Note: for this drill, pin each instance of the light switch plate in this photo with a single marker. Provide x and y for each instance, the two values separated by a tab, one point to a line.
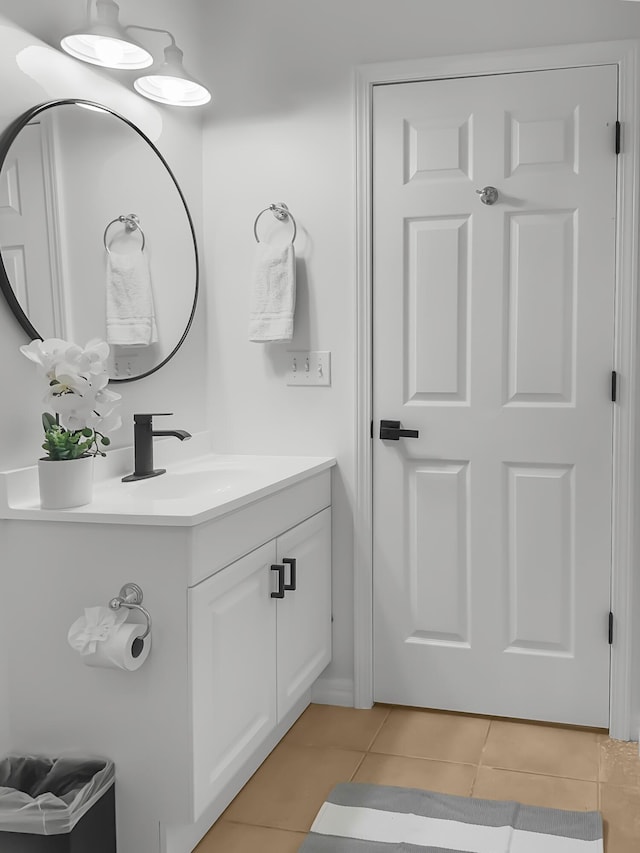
126	364
309	368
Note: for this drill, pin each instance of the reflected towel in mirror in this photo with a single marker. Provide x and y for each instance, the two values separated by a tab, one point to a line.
130	312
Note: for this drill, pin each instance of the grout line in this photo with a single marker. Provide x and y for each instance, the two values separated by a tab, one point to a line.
379	729
599	748
539	773
468	763
421	758
486	740
324	746
484	746
359	765
473	781
260	826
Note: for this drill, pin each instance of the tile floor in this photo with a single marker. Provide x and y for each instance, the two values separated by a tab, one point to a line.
452	753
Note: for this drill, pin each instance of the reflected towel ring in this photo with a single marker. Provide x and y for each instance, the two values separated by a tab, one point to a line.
281	212
131	223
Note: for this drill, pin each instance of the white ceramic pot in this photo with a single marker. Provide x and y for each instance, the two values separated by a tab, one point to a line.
65	483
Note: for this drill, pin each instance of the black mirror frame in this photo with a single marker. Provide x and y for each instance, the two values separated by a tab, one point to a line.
6	140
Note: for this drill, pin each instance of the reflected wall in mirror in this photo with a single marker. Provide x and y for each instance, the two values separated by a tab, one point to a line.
68	169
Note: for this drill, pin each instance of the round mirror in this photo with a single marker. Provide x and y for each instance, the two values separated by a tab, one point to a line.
96	239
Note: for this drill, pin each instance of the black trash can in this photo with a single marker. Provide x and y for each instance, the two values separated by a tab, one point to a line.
57	805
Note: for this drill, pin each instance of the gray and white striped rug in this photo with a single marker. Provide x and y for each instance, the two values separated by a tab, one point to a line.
358	818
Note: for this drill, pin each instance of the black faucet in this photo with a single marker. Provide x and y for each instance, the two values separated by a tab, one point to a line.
143	434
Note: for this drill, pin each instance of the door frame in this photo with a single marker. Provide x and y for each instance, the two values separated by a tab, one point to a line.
626	483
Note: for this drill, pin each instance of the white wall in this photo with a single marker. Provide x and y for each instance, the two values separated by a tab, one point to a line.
32	73
283	130
280	129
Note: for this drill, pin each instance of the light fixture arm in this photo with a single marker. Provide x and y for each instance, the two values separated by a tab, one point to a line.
152	30
106	12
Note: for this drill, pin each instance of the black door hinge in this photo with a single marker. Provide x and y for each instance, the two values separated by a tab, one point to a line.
371	430
610	628
618	136
614	386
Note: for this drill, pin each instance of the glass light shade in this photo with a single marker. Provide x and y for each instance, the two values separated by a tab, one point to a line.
106	51
105	42
170	83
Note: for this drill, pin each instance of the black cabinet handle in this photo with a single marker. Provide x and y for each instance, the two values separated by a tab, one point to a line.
293	577
279	593
391	430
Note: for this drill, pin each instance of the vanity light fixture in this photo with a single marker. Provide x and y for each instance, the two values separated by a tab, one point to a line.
170	83
105	41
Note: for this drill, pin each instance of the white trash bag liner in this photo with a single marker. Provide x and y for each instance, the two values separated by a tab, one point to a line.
48	796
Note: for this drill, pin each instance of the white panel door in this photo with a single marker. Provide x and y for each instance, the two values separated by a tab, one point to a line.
493	337
304	614
232	620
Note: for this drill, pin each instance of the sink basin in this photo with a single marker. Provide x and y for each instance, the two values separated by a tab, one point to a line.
177	485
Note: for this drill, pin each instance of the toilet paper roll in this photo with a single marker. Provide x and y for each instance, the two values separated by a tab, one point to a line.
122	650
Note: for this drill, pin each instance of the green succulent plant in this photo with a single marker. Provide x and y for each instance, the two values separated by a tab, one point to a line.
61	443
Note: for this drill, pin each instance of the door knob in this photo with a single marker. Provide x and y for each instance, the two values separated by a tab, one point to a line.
391	430
488	195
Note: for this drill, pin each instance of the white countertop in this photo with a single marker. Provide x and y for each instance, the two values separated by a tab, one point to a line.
196	488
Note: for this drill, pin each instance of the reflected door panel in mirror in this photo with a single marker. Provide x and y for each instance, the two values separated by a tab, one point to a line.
67	172
27	229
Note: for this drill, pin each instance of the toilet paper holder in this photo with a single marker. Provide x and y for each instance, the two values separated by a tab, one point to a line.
131	596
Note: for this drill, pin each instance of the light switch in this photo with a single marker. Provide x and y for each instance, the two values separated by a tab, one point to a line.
126	364
309	368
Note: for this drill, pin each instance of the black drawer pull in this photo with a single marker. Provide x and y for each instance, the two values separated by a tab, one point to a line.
292	576
279	593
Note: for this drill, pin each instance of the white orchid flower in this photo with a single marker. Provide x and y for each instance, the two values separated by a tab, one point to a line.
70	382
99	381
74	422
74	411
77	383
104	422
46	354
105	395
78	361
97	352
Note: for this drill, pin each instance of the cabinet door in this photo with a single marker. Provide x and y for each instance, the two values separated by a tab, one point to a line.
233	669
304	615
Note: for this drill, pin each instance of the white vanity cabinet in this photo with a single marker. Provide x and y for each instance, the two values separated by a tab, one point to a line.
230	667
254	655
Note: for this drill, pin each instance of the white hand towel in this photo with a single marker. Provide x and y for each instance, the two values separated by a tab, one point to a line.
130	312
274	293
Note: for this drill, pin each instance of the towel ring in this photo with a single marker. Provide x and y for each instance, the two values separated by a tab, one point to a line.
281	212
131	223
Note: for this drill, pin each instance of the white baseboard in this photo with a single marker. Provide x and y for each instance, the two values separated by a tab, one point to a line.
333	691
